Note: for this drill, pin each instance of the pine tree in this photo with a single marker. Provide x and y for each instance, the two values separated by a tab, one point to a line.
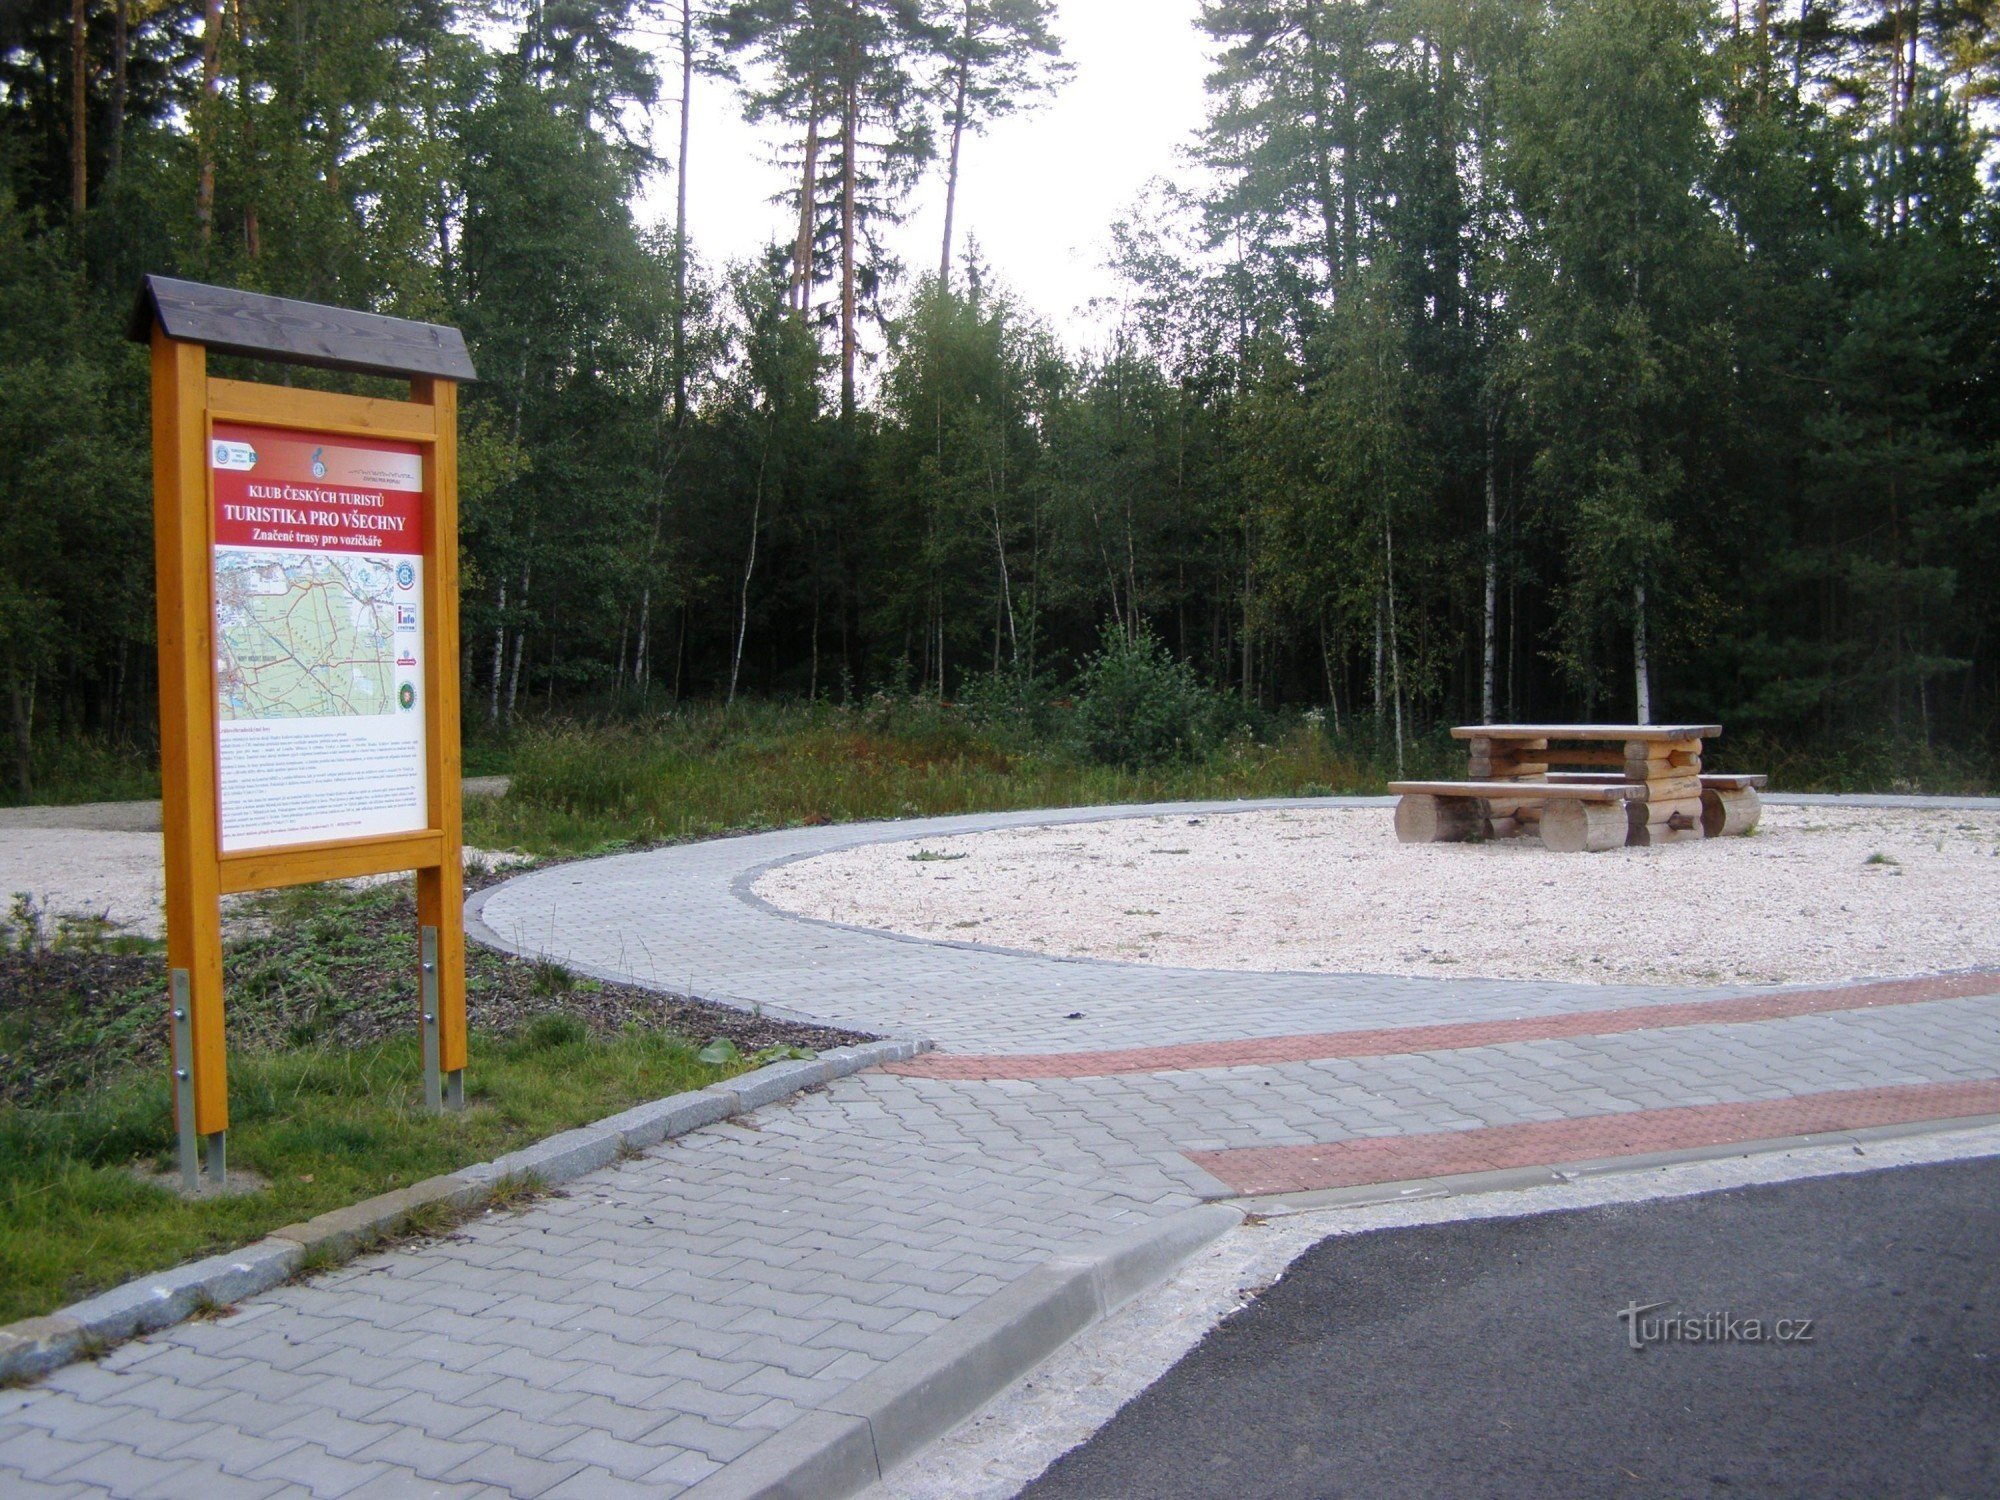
1000	55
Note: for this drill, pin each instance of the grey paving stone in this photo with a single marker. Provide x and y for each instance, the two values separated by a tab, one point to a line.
407	1484
601	1484
515	1473
328	1476
708	1299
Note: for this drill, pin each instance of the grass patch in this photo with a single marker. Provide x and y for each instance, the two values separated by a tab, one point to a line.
700	772
78	768
1859	764
325	1126
325	1087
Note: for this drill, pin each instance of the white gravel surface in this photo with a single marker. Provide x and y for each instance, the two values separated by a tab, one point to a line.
1815	894
85	873
112	876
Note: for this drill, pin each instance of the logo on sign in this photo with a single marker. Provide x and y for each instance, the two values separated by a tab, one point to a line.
406	617
240	456
319	463
407	696
406	576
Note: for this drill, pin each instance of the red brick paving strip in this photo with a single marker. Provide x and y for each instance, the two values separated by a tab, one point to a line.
1295	1169
1386	1041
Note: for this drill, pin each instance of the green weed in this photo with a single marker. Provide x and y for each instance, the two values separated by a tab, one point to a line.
698	772
325	1127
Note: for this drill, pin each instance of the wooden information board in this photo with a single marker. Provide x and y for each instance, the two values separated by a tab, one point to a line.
306	556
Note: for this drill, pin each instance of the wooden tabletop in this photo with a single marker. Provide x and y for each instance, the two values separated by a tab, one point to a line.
1586	731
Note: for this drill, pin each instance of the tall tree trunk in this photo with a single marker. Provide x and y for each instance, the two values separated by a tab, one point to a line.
499	651
812	683
521	635
850	111
1513	610
1395	649
1006	594
802	247
1642	666
1323	147
1487	638
21	699
121	56
253	242
961	81
680	652
641	664
79	107
681	219
1375	678
1326	665
514	674
211	84
749	567
1763	50
1249	685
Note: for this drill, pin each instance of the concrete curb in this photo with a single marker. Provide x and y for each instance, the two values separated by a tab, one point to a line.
33	1347
884	1418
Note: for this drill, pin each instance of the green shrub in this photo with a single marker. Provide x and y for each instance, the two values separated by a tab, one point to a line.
1012	702
1139	705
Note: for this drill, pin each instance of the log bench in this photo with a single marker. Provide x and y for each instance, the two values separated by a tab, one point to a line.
1729	800
1575	815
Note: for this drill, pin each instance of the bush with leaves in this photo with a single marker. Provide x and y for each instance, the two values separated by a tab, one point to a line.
1011	701
1137	704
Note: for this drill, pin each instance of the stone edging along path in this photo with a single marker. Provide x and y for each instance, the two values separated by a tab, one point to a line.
32	1347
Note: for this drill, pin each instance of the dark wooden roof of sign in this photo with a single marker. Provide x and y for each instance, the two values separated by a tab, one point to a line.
303	333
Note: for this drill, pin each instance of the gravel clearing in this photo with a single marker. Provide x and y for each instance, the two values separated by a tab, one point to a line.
1815	894
114	877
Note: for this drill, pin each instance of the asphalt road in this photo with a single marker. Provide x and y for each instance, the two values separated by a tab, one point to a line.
1487	1357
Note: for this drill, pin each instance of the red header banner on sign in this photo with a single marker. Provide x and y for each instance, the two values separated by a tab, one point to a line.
277	489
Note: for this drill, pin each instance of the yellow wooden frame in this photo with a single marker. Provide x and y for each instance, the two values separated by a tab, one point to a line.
187	403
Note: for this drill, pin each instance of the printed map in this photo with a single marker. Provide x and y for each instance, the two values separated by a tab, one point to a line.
304	635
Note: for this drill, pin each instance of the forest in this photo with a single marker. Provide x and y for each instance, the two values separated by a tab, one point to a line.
1495	359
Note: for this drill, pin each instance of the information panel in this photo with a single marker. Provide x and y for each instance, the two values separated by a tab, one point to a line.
318	636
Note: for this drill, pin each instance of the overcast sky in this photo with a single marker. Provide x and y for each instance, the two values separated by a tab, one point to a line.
1039	191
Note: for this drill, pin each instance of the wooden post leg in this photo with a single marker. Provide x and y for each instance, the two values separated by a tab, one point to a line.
1671	771
183	565
441	891
1571	827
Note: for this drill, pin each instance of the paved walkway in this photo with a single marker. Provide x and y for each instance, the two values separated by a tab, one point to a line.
668	1314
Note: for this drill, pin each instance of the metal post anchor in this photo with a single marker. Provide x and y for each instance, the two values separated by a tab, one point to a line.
427	999
183	1041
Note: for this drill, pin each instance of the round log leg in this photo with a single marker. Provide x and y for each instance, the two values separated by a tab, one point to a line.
1424	819
1574	827
1733	812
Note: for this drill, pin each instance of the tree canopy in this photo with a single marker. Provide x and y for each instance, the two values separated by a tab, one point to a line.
1513	358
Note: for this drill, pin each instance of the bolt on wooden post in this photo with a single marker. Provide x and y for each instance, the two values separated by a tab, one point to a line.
306	561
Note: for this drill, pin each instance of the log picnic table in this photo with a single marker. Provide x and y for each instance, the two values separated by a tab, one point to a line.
1642	784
